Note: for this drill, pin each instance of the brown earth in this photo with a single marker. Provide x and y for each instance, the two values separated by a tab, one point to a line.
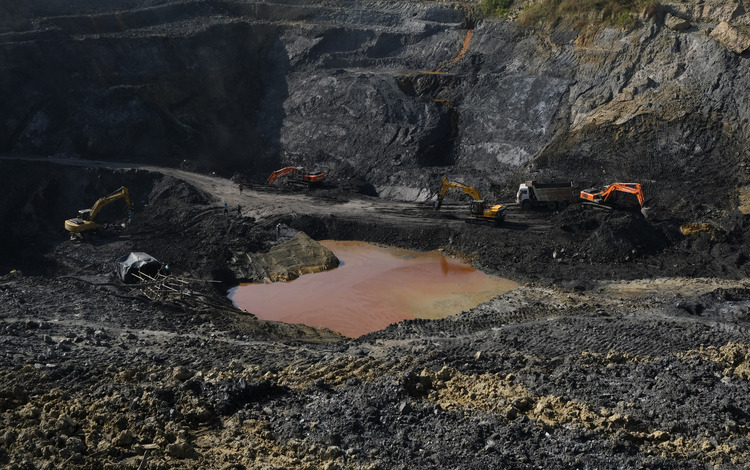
625	347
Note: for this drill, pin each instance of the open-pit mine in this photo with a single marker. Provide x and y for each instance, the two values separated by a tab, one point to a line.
156	155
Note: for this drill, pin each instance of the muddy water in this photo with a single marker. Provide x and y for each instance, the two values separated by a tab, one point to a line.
373	287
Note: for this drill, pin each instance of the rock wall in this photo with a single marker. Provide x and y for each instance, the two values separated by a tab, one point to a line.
396	92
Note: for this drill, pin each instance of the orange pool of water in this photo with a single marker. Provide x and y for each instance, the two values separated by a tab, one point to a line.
373	287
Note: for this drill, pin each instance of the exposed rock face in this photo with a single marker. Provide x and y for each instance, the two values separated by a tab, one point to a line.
396	93
713	11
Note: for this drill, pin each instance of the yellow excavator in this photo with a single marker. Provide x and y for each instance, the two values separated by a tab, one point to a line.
479	209
85	224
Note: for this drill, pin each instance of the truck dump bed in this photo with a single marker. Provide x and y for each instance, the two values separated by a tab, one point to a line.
546	192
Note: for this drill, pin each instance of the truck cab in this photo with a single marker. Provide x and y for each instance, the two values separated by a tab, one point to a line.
522	194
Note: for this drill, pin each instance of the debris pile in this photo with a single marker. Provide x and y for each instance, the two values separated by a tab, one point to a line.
623	236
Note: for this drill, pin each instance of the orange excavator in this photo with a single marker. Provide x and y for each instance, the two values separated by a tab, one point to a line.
603	198
300	177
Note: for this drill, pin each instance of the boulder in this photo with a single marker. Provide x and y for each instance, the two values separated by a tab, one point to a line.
730	37
290	259
676	23
710	11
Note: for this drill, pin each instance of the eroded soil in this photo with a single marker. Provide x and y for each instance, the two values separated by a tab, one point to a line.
627	345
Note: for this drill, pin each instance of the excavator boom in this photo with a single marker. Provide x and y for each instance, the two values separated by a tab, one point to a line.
121	193
284	171
447	184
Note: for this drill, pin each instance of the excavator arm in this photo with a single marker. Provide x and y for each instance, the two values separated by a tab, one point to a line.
447	184
121	193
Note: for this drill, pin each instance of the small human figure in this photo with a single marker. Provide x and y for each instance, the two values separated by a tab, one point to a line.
226	209
278	230
239	209
240	188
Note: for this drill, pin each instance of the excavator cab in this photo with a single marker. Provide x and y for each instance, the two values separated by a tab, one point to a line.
478	208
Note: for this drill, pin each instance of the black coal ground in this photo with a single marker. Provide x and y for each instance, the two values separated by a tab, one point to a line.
561	373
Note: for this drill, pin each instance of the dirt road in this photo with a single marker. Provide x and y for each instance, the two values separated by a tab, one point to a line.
267	202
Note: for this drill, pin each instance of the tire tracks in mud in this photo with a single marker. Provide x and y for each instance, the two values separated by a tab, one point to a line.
547	324
510	396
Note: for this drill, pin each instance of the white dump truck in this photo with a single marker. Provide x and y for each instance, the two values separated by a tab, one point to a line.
551	196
